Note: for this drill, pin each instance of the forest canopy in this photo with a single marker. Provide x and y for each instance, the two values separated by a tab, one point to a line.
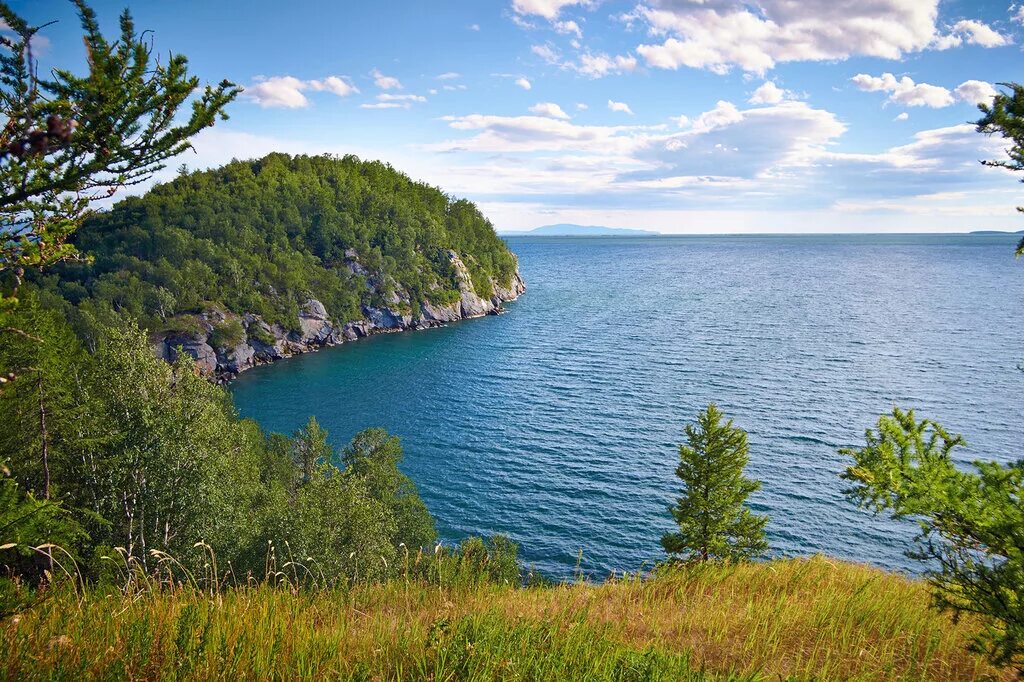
265	235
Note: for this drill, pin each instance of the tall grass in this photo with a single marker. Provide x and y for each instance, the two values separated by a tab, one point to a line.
788	619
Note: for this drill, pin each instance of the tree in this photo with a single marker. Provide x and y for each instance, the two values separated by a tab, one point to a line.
69	140
1006	116
714	522
971	523
372	459
310	450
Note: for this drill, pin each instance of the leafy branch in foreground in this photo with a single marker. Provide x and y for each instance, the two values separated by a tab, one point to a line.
1006	117
69	140
972	524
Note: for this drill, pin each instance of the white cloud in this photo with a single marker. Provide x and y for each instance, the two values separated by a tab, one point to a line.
448	76
385	82
569	27
287	91
531	134
768	93
549	109
600	65
408	99
549	9
546	52
385	105
621	107
341	87
904	91
474	27
903	116
975	92
721	34
681	121
1018	13
581	106
974	32
523	83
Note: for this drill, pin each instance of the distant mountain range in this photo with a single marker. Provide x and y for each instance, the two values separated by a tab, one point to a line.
570	230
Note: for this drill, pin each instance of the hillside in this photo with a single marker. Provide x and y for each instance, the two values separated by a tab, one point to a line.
799	619
261	259
571	230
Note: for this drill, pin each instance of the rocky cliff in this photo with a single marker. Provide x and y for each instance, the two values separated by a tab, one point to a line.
222	356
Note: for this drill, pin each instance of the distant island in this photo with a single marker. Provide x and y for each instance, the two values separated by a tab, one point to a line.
995	232
570	230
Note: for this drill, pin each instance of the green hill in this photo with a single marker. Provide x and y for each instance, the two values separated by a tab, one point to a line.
261	259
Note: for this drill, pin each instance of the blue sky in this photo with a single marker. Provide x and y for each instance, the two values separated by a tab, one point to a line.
676	115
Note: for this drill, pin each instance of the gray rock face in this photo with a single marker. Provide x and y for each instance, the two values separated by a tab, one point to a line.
441	314
194	345
268	343
314	324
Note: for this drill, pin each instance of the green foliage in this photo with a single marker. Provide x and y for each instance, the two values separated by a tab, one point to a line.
372	459
70	139
151	458
971	524
1005	116
228	334
28	526
263	236
714	523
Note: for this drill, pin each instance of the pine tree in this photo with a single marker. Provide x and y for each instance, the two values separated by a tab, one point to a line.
714	523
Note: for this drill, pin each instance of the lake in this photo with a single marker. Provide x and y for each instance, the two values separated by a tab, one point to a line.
557	422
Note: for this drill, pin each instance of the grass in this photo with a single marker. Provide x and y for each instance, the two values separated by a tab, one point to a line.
788	619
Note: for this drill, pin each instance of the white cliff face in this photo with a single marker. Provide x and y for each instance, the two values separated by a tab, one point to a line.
266	343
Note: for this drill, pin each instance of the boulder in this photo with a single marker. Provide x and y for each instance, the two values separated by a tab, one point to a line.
194	345
315	327
237	359
441	313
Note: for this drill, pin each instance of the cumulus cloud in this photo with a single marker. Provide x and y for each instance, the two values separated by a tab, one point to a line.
721	34
905	91
902	116
581	106
766	156
529	134
620	107
975	92
549	9
1018	13
727	142
600	65
549	109
287	91
569	27
546	52
523	83
449	75
385	82
974	33
768	93
474	27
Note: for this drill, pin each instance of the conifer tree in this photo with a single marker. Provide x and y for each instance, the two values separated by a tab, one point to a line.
1005	116
714	522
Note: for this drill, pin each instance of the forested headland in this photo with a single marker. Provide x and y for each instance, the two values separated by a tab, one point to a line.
259	259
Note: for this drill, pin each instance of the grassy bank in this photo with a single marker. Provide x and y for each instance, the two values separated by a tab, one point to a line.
800	619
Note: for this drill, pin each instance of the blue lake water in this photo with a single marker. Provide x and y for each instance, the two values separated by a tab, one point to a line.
557	422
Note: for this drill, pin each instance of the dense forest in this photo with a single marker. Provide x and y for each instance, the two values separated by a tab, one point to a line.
264	236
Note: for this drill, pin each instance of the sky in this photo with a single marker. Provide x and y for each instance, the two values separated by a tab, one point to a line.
683	116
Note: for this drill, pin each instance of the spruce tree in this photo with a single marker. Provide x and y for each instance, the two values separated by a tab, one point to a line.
714	522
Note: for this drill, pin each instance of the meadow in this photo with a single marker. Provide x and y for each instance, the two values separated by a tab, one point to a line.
799	619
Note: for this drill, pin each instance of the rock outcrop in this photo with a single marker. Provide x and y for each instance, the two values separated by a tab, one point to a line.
263	343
